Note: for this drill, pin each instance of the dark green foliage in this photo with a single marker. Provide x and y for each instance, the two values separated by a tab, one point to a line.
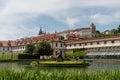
79	54
77	50
118	29
43	48
27	56
29	48
9	56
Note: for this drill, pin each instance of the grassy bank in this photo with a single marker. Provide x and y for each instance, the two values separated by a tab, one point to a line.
58	75
61	64
9	56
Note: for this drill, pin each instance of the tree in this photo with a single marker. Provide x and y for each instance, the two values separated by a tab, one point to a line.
43	48
118	29
97	34
29	48
114	32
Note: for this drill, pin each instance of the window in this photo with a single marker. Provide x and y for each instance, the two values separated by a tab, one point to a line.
98	43
105	42
56	44
8	48
61	45
91	43
79	44
85	44
70	45
112	41
74	44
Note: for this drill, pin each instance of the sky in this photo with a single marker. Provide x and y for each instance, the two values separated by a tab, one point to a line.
23	18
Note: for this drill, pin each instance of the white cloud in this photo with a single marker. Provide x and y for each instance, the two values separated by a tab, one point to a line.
106	19
72	21
13	14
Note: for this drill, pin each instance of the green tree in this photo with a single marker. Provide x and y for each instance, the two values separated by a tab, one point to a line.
29	48
114	32
97	34
43	48
118	29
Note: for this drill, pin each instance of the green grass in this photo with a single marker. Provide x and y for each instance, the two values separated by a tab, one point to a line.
58	75
55	62
9	56
60	64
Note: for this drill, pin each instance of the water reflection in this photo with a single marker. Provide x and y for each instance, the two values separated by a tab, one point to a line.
95	66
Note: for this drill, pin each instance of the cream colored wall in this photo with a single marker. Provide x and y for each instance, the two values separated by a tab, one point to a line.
95	45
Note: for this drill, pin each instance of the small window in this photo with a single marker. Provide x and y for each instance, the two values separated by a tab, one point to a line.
91	43
61	45
85	44
112	41
74	44
98	43
105	42
56	44
70	45
79	44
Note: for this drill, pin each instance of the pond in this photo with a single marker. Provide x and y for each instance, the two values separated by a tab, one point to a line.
95	66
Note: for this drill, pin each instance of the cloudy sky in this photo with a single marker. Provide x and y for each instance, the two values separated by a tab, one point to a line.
23	18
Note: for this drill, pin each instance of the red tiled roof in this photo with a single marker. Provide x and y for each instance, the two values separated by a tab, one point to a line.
4	43
93	40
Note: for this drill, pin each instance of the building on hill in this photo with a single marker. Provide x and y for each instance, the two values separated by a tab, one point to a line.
87	32
107	32
106	47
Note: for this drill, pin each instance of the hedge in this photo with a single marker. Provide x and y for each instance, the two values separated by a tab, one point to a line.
27	56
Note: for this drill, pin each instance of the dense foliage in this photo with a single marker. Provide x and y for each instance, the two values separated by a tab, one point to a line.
43	48
29	48
113	32
16	56
76	53
9	56
27	56
59	75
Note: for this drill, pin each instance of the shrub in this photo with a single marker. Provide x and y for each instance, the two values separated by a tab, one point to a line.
27	56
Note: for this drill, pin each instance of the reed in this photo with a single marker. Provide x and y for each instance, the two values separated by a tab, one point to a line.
58	75
9	56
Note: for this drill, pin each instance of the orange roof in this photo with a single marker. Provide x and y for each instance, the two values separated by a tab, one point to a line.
92	40
4	43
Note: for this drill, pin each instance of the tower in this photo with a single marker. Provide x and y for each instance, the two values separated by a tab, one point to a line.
93	28
40	32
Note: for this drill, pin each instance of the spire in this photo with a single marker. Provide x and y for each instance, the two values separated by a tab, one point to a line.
40	32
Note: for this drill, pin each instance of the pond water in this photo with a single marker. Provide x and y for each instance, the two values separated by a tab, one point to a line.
95	66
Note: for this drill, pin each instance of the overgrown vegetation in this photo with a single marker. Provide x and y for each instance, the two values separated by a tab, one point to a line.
16	56
113	32
9	56
59	75
41	49
29	48
76	53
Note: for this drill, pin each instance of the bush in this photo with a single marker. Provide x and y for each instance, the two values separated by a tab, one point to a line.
79	54
67	59
9	56
52	59
27	56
